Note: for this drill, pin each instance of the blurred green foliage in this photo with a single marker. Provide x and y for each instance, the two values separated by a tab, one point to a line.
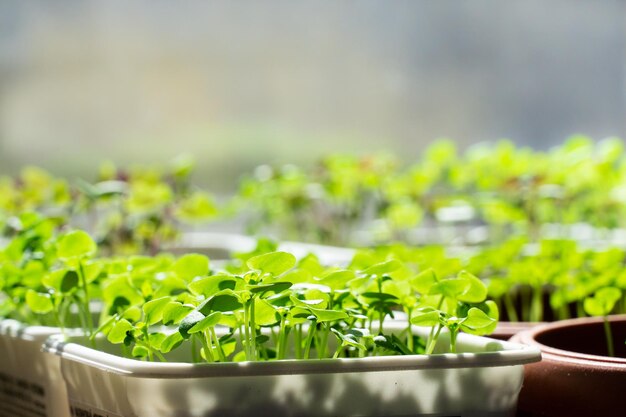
129	211
511	190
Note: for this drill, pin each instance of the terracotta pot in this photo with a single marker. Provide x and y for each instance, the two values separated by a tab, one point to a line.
575	377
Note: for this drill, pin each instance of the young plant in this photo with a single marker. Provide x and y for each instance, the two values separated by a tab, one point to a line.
601	305
461	305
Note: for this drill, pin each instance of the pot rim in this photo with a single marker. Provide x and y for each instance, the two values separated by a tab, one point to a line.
531	335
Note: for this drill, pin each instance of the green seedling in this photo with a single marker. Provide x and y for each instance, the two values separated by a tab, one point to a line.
601	305
460	305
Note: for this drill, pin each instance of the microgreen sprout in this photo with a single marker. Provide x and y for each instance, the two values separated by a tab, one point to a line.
601	305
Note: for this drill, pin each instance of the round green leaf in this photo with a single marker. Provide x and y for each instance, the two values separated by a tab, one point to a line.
75	245
38	303
224	301
426	317
191	266
272	263
70	281
383	267
424	280
188	322
603	302
476	320
476	291
119	331
209	321
210	285
174	312
337	279
328	315
153	310
171	342
450	287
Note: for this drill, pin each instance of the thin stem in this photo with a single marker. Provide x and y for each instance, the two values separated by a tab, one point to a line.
125	351
433	340
194	351
218	345
246	329
525	302
298	341
323	341
281	345
309	339
152	351
338	351
381	312
208	351
85	285
147	343
510	308
409	332
609	336
536	310
432	330
253	345
453	335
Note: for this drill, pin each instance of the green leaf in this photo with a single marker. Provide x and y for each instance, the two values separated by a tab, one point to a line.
265	314
276	287
328	315
119	331
208	286
450	287
197	207
188	322
39	303
383	268
423	281
70	281
153	310
393	344
190	266
603	302
273	263
348	339
174	312
228	345
337	279
171	342
140	351
476	291
426	317
296	276
209	321
224	301
476	320
156	339
380	296
133	314
75	245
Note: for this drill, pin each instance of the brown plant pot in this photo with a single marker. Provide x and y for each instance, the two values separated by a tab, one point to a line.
575	377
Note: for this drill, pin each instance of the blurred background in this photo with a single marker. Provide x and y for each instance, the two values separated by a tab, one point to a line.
237	84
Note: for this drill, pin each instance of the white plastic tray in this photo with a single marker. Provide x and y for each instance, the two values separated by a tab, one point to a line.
483	380
30	381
